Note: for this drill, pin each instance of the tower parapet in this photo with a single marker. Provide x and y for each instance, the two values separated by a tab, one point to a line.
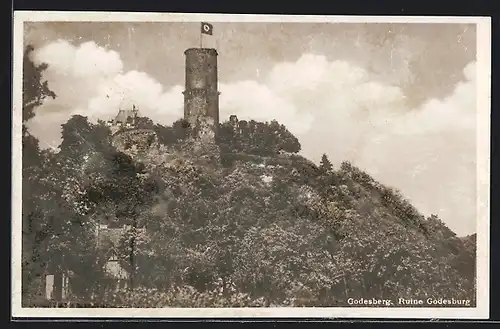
201	95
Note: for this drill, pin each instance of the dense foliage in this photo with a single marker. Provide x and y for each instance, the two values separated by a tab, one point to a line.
54	229
35	89
265	227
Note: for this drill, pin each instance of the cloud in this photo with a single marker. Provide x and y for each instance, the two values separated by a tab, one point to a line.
251	100
90	80
334	107
457	111
86	61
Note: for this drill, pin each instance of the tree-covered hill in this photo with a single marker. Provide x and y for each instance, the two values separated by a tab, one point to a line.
263	226
267	225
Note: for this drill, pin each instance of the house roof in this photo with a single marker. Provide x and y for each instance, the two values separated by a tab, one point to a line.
109	242
110	237
122	116
125	115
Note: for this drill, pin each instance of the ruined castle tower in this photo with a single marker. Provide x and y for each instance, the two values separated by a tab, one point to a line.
201	95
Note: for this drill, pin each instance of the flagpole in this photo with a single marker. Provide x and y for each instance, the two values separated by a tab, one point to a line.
201	39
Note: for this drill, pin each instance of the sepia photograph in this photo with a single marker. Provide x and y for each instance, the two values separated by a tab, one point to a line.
201	165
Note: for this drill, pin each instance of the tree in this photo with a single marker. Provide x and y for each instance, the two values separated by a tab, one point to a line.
182	129
75	136
325	164
286	140
35	90
258	138
144	123
57	236
34	212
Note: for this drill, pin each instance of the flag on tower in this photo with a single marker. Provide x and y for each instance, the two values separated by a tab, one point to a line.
206	28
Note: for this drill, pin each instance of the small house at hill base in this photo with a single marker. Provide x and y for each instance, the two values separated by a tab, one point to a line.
115	274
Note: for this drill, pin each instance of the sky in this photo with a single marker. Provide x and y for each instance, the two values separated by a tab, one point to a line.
397	100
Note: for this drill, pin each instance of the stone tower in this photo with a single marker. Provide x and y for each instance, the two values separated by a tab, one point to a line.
201	95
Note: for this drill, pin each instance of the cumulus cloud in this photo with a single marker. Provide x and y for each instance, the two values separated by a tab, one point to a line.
251	100
334	107
90	80
87	60
457	111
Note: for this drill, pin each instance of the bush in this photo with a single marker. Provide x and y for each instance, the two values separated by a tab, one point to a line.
259	138
184	296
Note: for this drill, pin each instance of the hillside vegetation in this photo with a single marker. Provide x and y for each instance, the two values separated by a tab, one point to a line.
263	226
